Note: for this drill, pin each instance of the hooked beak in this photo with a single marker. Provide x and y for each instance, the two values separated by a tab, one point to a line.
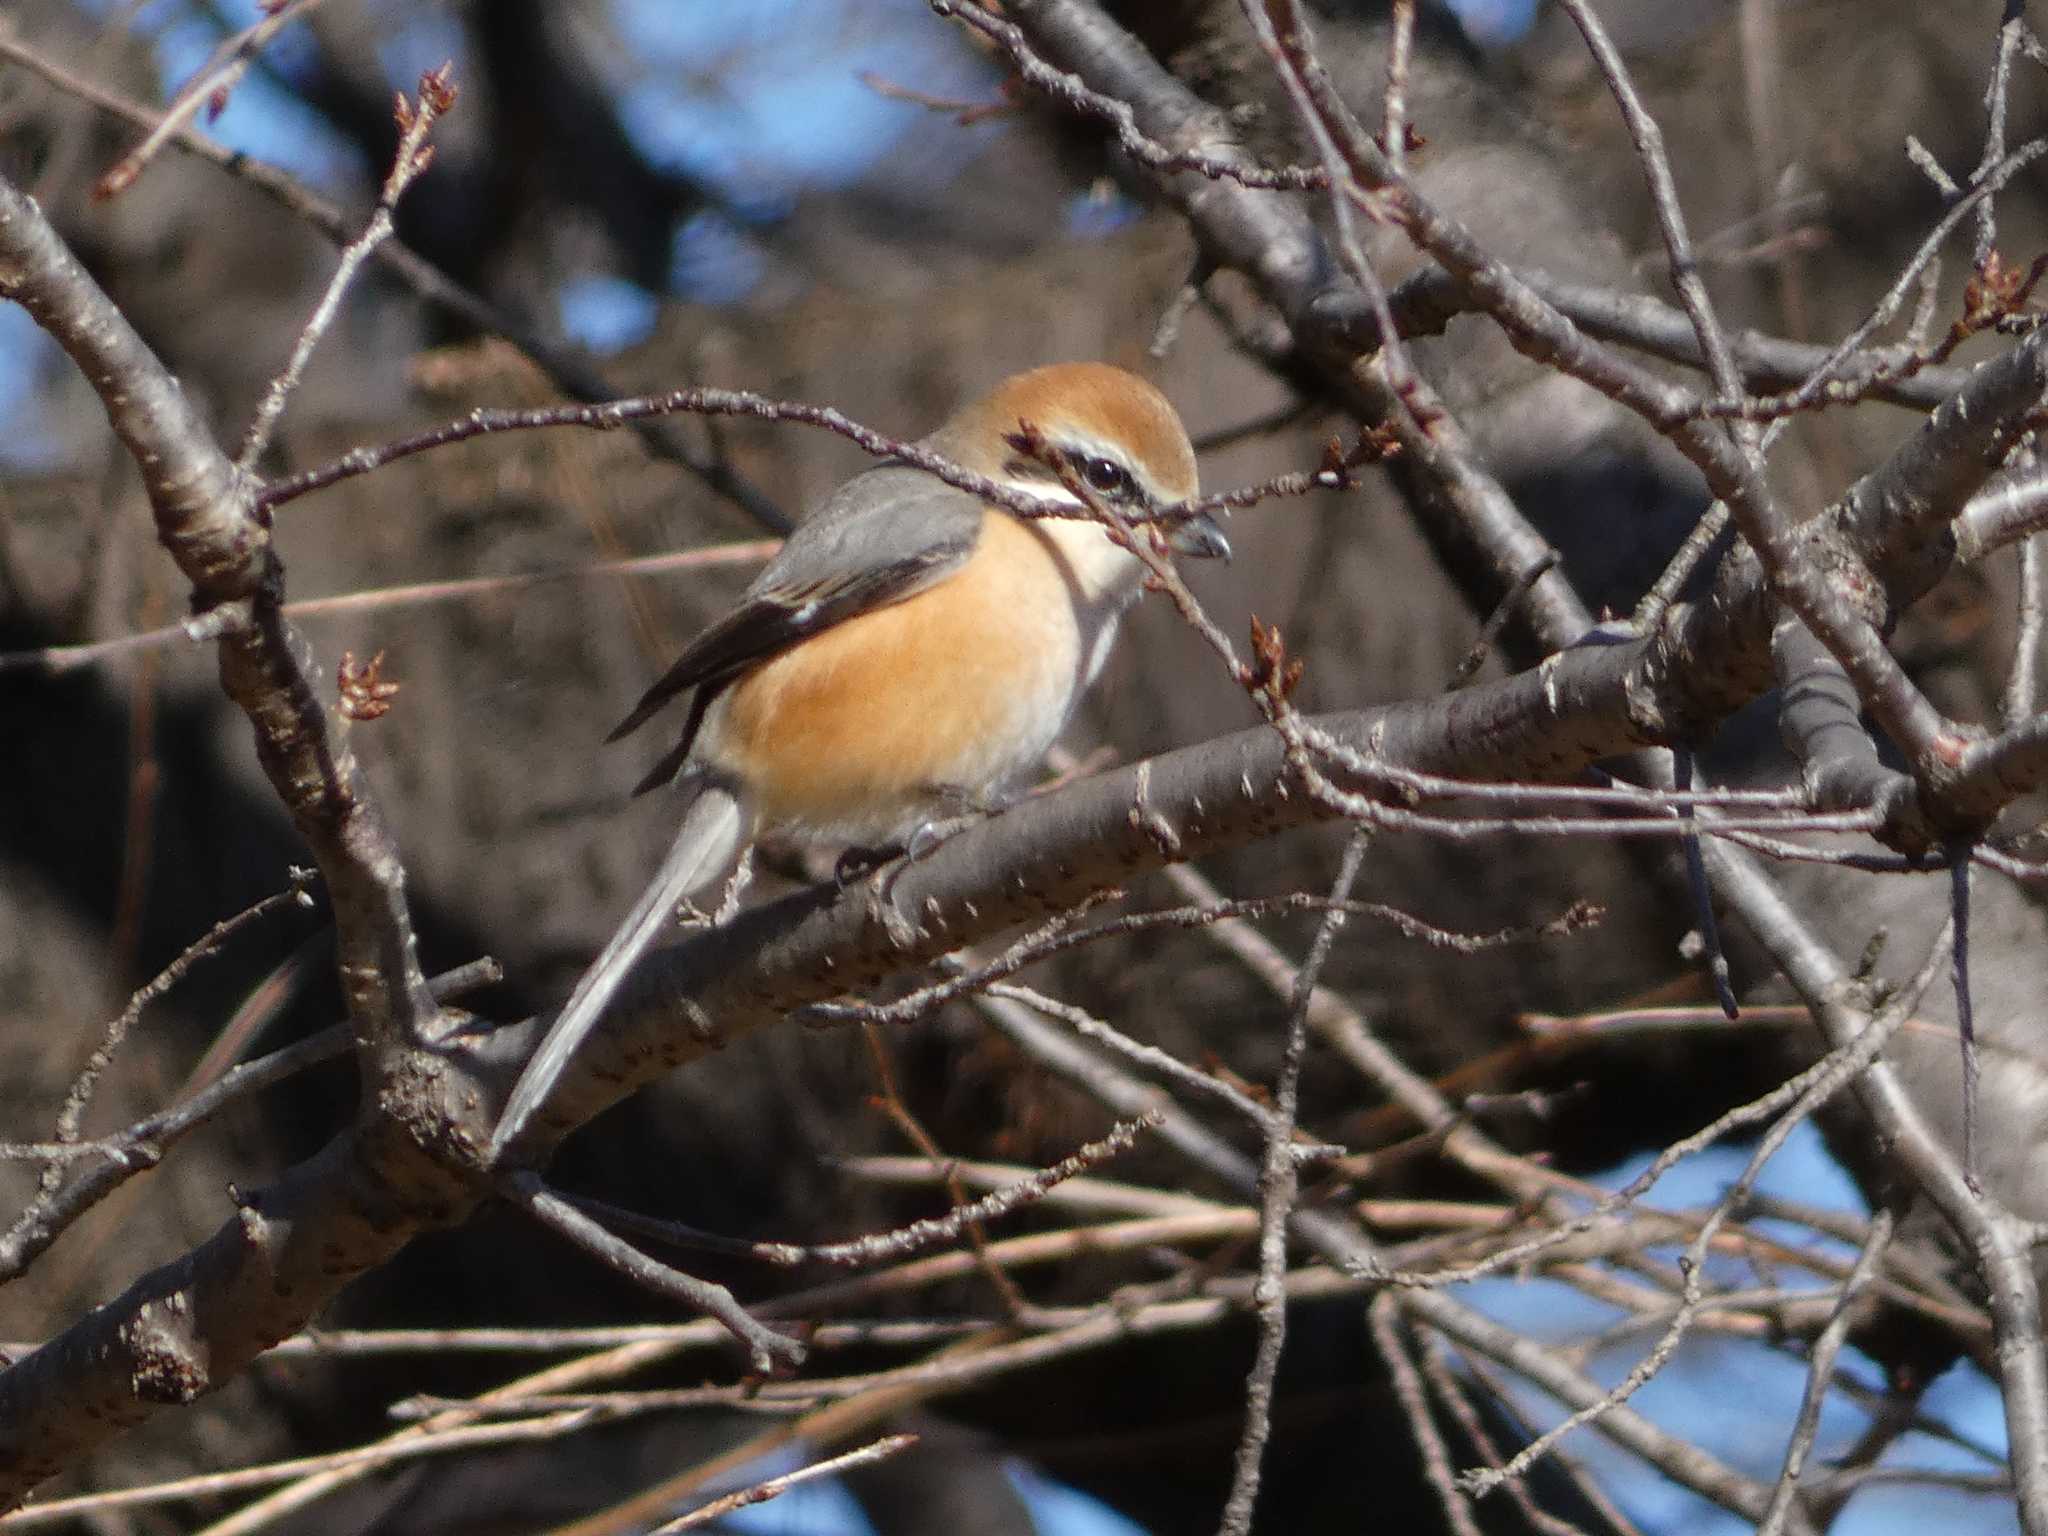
1199	536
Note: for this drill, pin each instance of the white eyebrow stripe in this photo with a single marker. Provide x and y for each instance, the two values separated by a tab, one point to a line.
1071	440
1050	492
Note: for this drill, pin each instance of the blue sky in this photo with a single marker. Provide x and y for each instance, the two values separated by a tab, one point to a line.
763	100
1738	1398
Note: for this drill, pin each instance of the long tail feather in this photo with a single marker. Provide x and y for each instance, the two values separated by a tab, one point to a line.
714	827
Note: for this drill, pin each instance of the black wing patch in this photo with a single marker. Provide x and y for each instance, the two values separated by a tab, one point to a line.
765	626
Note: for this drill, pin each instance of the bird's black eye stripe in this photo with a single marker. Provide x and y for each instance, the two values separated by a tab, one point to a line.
1105	475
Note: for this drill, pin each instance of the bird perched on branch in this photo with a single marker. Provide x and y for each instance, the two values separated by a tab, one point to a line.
911	650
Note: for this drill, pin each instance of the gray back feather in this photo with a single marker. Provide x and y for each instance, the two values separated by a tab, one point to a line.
886	516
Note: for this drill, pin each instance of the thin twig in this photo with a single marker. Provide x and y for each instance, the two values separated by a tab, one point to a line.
142	1145
1071	91
1820	1374
1814	1083
901	1242
1394	120
32	1231
1966	1013
1060	936
1843	1065
1279	1182
2021	696
2012	27
1708	536
1385	1319
1150	1058
1684	775
1009	1294
571	373
208	88
760	1493
1496	621
55	660
204	947
2000	1244
1444	1384
415	121
1588	1489
365	1458
766	1346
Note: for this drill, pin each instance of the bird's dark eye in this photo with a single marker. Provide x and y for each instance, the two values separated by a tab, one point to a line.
1106	476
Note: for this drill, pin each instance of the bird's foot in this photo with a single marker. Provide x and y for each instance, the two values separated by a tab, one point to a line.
927	837
735	887
922	843
858	863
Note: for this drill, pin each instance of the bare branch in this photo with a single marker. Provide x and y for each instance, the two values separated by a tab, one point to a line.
1819	1372
413	156
774	1487
1279	1183
206	519
571	373
768	1348
54	660
2001	1245
208	88
899	1242
143	1145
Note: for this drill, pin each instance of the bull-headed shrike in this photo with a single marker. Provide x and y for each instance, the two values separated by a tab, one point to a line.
911	650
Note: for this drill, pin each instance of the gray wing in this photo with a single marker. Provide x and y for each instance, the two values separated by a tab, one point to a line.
886	515
881	537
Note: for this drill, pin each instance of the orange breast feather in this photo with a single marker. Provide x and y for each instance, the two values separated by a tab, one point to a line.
954	689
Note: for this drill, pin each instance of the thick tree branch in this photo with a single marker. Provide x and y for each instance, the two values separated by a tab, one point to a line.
194	1324
205	518
1425	305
